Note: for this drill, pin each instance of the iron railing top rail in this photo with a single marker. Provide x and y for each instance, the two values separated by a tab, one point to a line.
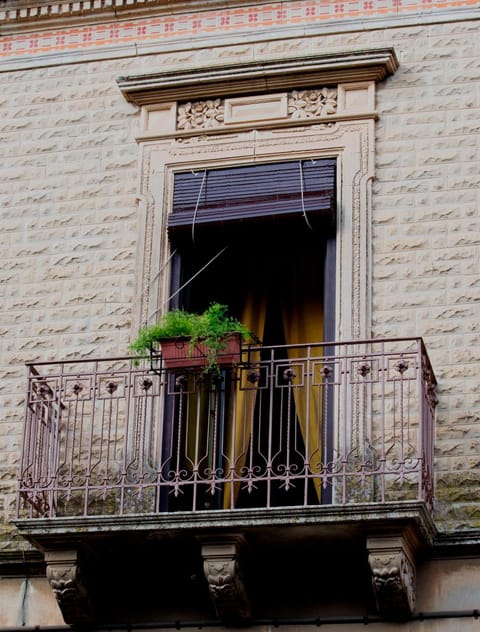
258	347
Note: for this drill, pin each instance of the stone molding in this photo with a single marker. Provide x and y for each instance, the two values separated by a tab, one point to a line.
65	579
221	563
255	77
113	29
27	10
393	575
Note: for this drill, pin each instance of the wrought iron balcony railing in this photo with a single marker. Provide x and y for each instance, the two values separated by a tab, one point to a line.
333	423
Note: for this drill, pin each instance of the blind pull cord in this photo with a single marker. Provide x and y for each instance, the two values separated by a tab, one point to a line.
198	202
302	196
167	262
220	252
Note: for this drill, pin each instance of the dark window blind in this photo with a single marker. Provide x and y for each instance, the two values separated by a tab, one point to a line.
304	187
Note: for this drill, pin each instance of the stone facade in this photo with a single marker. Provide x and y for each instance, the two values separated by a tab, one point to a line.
73	210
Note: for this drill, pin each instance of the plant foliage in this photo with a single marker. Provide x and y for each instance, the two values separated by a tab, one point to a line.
211	328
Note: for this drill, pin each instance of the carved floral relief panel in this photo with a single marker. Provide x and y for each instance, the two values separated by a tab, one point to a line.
301	104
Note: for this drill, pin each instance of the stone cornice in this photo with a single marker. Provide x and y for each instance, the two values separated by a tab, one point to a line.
18	12
251	78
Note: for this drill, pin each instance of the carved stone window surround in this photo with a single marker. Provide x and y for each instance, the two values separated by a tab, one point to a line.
347	135
350	142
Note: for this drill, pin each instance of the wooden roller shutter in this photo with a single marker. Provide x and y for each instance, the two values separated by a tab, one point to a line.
251	192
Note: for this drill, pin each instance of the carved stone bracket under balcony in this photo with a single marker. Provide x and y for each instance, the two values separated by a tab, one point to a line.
65	578
393	575
225	579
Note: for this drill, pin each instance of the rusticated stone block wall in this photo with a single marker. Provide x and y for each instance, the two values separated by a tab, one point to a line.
68	230
426	236
70	224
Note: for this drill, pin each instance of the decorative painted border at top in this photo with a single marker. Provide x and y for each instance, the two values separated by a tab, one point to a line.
174	25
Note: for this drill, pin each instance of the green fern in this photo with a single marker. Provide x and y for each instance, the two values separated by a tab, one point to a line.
209	328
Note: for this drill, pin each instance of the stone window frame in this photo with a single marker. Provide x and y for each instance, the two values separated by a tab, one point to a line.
321	106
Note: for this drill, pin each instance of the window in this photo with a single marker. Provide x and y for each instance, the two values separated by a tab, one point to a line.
256	234
256	238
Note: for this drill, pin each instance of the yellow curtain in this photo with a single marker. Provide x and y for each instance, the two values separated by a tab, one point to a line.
253	316
294	287
302	314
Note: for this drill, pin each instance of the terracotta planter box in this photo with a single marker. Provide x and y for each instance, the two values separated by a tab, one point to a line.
178	353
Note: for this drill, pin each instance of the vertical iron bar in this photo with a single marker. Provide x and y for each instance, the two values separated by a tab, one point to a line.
422	420
271	378
383	455
344	421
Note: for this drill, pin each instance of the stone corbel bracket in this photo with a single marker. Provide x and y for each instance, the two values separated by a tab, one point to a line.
65	578
393	575
221	564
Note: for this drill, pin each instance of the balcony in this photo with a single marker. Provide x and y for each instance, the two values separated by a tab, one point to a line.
311	440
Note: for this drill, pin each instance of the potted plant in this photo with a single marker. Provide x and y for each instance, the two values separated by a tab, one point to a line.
186	339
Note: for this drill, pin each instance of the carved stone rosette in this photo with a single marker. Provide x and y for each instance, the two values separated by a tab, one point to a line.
312	103
225	580
393	576
200	114
65	578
